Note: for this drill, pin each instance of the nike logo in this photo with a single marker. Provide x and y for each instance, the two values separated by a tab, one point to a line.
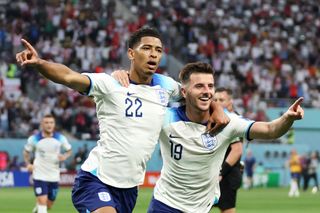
173	136
129	94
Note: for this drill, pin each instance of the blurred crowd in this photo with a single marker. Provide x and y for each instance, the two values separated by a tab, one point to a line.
266	51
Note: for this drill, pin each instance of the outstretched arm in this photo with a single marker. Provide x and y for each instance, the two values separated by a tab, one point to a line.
55	72
278	127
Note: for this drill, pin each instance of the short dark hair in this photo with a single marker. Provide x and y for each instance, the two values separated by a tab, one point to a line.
195	67
223	89
135	37
48	116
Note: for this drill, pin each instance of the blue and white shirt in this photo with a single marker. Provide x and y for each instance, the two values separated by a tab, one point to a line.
47	151
192	159
130	121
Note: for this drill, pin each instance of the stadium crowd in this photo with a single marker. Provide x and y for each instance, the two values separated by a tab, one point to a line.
266	51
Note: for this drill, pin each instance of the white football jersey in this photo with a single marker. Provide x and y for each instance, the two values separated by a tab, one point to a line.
192	159
47	150
130	121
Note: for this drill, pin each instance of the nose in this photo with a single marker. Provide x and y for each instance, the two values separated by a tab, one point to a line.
154	53
206	88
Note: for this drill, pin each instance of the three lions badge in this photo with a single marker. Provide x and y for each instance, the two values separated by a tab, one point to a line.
209	142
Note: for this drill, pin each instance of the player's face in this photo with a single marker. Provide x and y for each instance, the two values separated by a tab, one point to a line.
48	125
199	91
223	99
146	55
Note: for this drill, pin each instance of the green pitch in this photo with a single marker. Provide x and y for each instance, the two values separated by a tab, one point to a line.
271	200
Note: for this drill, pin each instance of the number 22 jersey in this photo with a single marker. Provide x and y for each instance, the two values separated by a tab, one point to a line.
130	121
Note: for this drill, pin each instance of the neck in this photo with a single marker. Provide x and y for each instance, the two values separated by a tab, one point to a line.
139	78
47	134
197	116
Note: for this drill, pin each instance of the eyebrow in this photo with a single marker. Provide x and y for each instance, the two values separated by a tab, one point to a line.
149	45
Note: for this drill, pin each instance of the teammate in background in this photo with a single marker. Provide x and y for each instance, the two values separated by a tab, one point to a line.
249	166
295	172
47	147
230	173
189	180
130	120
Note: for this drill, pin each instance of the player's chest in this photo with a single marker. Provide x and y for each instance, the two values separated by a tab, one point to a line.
138	103
48	145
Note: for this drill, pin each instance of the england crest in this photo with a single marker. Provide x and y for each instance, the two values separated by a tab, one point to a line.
104	196
210	142
162	96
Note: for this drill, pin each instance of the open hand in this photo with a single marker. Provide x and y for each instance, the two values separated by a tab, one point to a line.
122	77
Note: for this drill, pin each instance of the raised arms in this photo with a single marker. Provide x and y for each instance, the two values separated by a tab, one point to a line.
55	72
278	127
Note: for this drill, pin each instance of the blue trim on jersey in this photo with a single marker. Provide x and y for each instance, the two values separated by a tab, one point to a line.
90	86
57	136
37	137
157	79
248	131
215	201
133	82
177	114
161	80
181	112
94	172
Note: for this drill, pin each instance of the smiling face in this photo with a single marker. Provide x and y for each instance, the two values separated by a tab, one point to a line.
198	92
145	58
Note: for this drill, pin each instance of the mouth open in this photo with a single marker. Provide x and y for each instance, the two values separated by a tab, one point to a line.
152	65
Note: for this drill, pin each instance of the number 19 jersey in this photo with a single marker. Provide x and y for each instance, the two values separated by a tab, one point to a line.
192	159
130	121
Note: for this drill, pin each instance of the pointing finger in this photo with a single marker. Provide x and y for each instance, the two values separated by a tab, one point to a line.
28	46
297	104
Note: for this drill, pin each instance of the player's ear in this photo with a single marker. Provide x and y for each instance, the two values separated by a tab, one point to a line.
183	92
130	54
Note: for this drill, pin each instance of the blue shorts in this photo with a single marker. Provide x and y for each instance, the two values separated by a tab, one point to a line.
89	194
156	206
295	175
45	188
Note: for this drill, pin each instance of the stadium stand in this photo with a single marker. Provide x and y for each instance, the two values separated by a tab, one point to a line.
266	51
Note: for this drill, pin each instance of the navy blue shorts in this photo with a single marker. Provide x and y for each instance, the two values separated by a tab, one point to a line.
45	188
89	194
156	206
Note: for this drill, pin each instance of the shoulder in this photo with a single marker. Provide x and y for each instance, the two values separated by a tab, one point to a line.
60	137
176	114
35	137
100	76
163	81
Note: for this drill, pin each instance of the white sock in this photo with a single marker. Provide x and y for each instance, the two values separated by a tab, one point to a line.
292	188
35	209
42	209
295	186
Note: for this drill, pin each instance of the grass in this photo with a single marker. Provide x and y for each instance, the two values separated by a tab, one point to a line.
259	200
